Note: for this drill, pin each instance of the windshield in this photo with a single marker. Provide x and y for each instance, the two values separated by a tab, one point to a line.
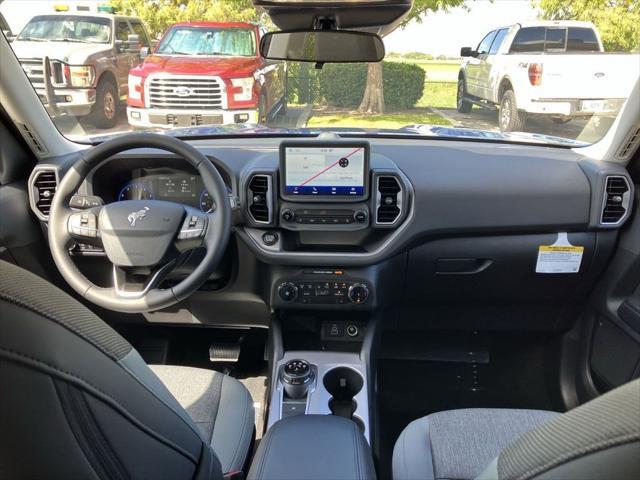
208	41
67	28
527	71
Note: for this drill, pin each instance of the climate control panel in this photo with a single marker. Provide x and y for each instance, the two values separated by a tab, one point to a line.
314	292
324	217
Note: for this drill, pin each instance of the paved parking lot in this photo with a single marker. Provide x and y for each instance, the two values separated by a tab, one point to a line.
579	129
295	117
585	130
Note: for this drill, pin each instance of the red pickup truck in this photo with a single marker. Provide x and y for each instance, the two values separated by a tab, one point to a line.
206	73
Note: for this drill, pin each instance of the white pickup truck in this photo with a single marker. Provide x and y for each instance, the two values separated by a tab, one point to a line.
554	68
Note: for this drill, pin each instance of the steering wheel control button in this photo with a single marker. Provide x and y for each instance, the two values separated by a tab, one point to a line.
288	292
358	293
85	201
269	238
193	227
84	224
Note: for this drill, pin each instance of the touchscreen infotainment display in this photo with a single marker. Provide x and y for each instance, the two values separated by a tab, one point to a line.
329	171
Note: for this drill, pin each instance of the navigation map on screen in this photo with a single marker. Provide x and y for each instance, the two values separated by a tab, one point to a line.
325	171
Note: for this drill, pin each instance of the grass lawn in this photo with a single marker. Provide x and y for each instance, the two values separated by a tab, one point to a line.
391	120
440	82
446	70
438	95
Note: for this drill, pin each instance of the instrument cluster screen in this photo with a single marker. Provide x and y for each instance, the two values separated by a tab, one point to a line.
324	171
182	188
178	187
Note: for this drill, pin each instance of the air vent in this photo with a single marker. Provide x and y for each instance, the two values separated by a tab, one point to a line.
388	200
630	146
259	198
616	200
44	184
33	140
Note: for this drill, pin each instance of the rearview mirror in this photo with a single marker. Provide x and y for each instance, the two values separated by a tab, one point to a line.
467	52
322	46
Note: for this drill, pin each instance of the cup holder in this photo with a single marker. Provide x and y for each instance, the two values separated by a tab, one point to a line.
343	384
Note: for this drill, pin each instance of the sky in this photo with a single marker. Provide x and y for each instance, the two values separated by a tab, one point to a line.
441	33
444	33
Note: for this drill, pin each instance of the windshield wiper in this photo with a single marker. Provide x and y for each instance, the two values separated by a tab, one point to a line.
33	39
73	40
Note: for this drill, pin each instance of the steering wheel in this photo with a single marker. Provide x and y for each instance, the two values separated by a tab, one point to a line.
147	235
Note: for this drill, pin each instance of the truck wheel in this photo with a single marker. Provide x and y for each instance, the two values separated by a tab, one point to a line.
105	110
509	118
463	106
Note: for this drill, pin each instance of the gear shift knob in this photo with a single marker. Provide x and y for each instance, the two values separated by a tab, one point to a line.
296	378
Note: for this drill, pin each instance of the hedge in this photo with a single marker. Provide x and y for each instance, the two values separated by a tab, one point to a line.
343	85
303	83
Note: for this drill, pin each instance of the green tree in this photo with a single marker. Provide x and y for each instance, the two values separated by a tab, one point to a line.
618	21
373	99
160	14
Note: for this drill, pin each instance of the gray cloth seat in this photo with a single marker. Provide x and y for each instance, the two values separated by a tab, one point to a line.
600	439
219	405
78	401
459	444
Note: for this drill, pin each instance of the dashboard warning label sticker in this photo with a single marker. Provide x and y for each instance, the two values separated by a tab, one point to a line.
561	257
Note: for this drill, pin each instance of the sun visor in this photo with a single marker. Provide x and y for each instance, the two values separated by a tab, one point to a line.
374	16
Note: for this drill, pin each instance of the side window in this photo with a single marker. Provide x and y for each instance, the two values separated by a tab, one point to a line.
485	44
122	31
556	40
582	40
529	40
495	46
138	29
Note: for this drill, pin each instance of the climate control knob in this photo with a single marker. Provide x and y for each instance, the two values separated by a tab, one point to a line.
360	216
288	215
288	292
358	293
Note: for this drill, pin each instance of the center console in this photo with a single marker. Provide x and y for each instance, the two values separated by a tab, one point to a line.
328	199
321	383
313	446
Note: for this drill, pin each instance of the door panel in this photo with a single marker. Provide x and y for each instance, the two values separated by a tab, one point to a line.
476	64
487	83
611	339
124	59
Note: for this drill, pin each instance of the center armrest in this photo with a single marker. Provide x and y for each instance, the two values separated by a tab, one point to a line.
313	447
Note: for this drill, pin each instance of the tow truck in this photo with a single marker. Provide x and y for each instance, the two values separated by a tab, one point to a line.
78	62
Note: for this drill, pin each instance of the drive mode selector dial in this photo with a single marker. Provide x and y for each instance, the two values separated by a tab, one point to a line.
296	378
358	293
288	292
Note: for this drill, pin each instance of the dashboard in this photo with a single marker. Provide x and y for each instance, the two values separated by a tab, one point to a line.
448	228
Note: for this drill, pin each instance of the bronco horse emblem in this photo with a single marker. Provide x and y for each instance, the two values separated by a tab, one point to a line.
135	216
